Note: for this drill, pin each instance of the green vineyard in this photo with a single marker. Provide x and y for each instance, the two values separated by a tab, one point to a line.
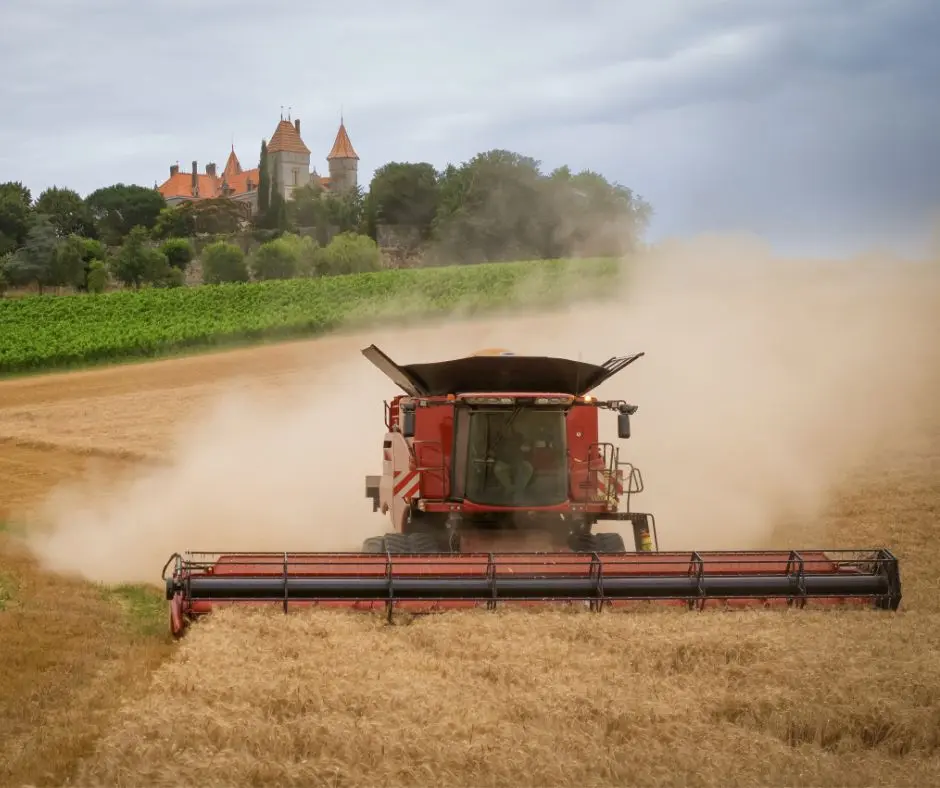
45	332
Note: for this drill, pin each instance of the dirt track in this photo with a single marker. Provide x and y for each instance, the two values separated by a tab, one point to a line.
467	699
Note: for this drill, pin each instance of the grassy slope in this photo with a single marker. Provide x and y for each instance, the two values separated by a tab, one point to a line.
67	646
39	333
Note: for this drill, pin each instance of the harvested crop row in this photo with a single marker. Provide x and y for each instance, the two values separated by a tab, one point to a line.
43	332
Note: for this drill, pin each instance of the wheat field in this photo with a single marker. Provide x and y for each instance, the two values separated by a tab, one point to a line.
104	473
564	698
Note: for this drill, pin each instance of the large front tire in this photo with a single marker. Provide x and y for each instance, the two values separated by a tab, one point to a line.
599	543
374	544
403	544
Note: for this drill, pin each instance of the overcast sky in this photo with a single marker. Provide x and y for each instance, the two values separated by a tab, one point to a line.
814	123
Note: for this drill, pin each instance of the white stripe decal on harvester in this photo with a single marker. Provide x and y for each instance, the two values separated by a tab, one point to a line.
406	484
603	483
412	489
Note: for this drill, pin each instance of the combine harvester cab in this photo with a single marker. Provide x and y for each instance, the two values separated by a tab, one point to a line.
498	488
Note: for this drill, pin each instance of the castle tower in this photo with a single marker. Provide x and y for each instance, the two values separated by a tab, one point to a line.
344	162
288	158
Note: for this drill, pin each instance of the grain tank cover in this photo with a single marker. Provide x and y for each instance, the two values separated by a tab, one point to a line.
498	373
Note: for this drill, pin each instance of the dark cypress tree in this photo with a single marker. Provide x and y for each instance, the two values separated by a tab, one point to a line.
264	181
276	216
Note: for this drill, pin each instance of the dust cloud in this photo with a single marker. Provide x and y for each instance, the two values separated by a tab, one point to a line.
766	382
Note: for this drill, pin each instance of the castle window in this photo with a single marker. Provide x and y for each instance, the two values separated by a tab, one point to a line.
296	175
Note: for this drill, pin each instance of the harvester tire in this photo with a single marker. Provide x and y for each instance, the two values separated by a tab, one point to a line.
599	543
397	543
402	543
424	543
609	543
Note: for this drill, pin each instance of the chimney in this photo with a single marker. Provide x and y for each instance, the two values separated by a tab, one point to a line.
195	179
210	169
174	169
297	124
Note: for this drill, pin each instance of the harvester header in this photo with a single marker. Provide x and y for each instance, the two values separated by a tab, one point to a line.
495	480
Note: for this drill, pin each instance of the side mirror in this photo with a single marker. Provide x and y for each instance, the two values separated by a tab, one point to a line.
408	422
623	425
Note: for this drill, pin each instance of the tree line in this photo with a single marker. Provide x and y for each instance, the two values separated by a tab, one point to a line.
496	206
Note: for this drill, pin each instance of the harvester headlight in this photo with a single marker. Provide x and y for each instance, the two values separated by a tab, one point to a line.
552	400
490	400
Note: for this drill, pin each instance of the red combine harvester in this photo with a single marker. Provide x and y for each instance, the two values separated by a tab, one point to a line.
495	481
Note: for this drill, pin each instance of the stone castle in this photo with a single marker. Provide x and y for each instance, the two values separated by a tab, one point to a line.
288	161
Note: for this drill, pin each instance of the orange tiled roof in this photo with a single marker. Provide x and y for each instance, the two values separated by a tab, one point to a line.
233	166
180	184
342	147
287	139
238	182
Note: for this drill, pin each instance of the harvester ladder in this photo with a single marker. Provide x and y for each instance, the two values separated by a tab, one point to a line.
441	469
602	481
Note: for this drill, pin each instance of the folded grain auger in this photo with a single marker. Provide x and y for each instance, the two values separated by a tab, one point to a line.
495	480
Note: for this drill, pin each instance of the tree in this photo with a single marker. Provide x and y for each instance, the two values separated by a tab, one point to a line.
4	282
499	206
349	253
223	262
97	278
69	265
174	277
67	211
275	217
592	216
307	208
34	261
275	259
305	250
175	221
15	214
137	262
344	211
308	253
93	249
490	208
215	216
407	194
264	180
119	208
178	252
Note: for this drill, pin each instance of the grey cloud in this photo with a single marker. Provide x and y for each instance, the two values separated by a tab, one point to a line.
785	116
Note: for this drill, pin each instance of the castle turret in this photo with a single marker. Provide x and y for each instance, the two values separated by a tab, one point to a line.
344	163
288	158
